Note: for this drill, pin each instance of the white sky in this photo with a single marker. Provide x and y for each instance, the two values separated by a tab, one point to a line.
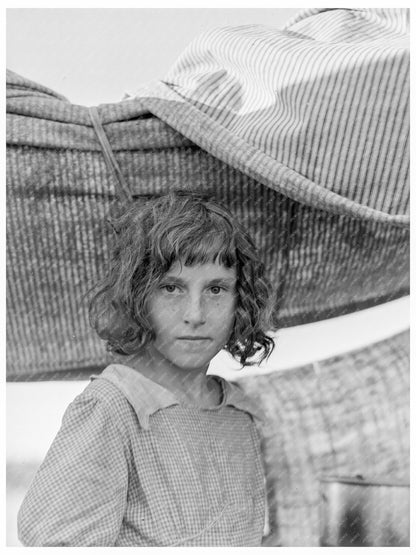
94	56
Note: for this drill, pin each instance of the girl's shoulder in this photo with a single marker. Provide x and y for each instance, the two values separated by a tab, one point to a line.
126	389
105	399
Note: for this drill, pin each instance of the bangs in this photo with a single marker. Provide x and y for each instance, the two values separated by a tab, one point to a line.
211	247
198	242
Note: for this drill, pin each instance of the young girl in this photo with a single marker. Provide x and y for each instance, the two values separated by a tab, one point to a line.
154	452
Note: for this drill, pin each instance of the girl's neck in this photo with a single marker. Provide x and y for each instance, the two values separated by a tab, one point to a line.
190	386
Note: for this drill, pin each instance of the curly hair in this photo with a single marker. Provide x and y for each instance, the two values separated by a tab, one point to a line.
149	237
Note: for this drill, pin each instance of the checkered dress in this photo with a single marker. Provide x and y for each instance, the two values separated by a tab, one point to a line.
131	466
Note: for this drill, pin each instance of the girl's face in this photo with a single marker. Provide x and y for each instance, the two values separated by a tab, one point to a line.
192	313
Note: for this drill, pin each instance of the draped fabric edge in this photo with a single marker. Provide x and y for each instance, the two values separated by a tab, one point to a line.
160	100
167	105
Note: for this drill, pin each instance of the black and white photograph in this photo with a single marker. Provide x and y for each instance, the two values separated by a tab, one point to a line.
207	277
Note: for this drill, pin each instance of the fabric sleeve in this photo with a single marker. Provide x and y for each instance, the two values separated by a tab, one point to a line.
79	494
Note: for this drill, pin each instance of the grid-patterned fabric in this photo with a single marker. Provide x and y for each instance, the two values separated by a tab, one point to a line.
194	477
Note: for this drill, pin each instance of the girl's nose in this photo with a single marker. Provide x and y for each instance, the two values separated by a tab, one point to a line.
194	312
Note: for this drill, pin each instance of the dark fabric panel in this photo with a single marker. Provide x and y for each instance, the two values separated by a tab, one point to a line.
344	416
321	265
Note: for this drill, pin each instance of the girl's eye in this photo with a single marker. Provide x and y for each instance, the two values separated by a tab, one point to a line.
216	290
169	288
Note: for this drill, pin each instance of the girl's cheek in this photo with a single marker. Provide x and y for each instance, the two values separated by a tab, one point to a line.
223	307
166	310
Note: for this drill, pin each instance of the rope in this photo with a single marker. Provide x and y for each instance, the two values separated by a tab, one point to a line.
121	186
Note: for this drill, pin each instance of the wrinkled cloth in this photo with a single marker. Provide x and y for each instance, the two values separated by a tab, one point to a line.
318	110
131	466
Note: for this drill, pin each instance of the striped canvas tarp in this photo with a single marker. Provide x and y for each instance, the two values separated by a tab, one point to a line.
317	111
331	222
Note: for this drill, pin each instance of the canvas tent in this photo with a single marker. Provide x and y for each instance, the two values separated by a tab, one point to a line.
303	134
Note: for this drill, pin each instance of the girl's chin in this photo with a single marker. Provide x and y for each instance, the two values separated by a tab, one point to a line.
186	358
191	365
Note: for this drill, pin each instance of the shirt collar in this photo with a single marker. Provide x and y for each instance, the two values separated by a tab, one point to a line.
238	398
147	397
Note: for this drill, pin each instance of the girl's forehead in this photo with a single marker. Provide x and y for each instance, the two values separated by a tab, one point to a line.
201	271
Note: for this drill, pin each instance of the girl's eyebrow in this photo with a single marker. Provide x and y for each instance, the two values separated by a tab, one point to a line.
222	281
172	279
214	281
